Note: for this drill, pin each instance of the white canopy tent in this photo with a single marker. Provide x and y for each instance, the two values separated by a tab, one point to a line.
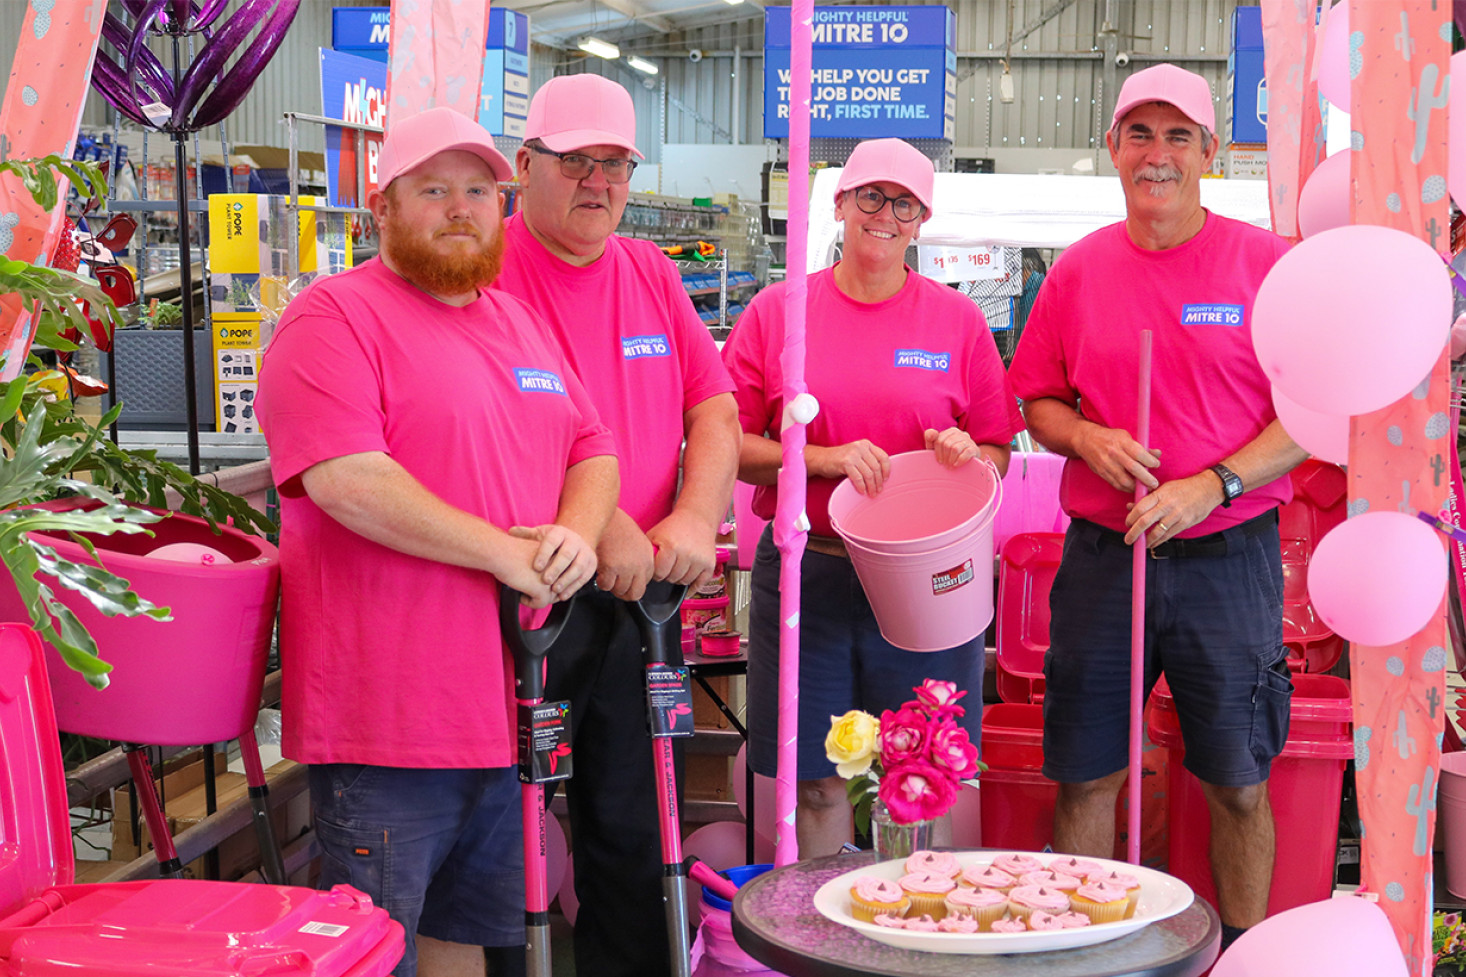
1020	210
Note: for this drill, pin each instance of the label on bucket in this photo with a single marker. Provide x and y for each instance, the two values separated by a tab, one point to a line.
950	580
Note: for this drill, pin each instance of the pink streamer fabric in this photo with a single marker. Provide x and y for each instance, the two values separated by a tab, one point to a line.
436	56
1400	72
1295	131
789	531
39	116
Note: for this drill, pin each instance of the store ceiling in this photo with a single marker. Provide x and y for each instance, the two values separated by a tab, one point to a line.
562	23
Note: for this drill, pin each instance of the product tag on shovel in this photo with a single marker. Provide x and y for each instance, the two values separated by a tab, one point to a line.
544	742
669	700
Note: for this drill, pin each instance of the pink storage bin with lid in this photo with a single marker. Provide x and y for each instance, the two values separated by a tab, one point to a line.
1026	572
1030	497
49	926
195	679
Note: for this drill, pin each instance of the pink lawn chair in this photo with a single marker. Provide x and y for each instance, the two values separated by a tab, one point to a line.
1026	571
49	925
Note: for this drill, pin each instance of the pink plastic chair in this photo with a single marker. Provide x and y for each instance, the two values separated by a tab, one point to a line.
191	681
1026	571
1320	496
1030	497
169	926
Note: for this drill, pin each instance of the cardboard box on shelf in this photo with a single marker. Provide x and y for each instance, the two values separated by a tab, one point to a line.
708	778
179	775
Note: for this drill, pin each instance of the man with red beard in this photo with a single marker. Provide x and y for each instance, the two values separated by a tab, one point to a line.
623	318
429	441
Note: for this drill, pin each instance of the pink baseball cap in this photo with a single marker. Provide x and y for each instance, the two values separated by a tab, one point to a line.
889	161
1167	83
415	139
570	112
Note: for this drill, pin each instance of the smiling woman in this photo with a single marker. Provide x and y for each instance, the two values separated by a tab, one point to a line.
898	363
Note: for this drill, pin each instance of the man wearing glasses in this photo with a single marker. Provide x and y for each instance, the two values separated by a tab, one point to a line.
619	309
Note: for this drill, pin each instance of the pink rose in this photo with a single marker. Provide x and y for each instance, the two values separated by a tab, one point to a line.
903	736
940	698
917	791
951	750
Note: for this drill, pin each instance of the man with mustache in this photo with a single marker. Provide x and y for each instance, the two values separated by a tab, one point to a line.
430	441
621	313
1216	468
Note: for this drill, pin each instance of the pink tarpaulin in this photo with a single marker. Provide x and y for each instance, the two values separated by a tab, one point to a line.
42	108
435	56
791	528
1398	456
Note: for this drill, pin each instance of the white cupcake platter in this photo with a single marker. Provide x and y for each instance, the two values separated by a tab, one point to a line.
1161	896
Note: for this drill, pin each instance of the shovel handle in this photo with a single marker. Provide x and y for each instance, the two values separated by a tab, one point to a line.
529	648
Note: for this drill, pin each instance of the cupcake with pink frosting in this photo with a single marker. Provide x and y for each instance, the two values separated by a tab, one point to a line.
1039	921
1017	863
924	924
936	862
987	877
1102	902
1010	924
1024	899
983	905
927	892
1080	868
1124	880
957	924
1064	883
890	921
871	896
1072	920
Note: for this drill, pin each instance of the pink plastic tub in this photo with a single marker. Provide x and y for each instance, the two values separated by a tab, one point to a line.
923	549
1026	572
1030	497
195	679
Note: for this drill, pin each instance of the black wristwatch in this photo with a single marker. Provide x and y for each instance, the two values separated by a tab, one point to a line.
1231	483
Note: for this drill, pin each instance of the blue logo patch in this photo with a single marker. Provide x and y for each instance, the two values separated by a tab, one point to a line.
540	381
1209	314
635	347
922	360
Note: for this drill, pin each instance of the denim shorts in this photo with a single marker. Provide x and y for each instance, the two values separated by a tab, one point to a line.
440	850
844	663
1214	626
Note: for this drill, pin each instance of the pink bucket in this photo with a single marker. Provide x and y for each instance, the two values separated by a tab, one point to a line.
923	549
1451	799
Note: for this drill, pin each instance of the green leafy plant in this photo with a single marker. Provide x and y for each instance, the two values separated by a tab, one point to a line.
51	452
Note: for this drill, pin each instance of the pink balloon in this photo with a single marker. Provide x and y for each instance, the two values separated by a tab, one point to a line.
189	553
1333	66
967	818
1345	937
1324	202
569	901
1352	319
1456	131
1325	436
556	854
1378	578
763	794
720	844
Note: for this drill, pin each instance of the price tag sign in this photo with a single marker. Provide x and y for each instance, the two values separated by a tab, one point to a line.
961	264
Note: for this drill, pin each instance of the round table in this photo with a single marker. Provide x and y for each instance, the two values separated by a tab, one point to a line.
774	921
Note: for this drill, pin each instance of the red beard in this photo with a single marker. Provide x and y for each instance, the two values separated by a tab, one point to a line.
414	256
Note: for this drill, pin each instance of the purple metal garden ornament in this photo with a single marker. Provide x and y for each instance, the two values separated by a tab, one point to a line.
174	102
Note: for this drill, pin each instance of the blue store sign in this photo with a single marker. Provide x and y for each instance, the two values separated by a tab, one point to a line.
877	71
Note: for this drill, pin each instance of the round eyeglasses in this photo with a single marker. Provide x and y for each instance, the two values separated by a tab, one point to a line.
578	166
905	208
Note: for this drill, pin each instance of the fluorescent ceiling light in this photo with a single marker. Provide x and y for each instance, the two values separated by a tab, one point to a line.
600	48
733	3
642	65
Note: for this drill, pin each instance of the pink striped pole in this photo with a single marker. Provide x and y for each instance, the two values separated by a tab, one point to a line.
1137	616
790	525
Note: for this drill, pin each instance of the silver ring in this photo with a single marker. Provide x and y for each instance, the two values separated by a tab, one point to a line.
1164	530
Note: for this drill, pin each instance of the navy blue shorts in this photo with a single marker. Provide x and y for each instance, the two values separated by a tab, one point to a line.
844	663
440	850
1214	627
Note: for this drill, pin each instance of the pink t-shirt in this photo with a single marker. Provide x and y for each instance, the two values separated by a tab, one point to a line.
884	371
1209	397
391	659
633	337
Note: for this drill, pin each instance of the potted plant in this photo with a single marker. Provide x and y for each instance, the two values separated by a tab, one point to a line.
49	451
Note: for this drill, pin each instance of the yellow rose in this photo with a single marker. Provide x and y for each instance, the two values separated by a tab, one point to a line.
852	741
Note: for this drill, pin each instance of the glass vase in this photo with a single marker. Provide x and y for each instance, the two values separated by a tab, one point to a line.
895	840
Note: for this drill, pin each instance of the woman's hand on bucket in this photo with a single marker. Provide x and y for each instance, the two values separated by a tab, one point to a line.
954	446
865	464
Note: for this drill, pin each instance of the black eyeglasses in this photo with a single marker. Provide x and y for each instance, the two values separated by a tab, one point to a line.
905	209
578	166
